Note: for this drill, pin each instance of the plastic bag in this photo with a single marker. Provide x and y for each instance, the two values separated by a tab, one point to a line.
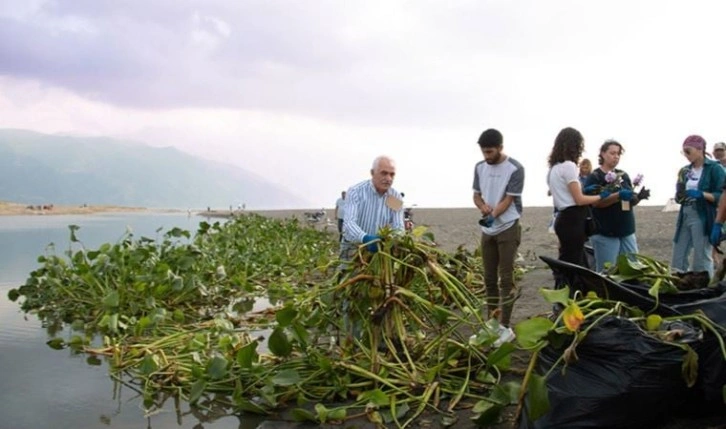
624	378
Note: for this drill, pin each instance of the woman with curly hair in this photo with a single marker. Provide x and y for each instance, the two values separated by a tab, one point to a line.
571	204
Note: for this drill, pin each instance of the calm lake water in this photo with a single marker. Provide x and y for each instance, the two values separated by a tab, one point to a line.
45	388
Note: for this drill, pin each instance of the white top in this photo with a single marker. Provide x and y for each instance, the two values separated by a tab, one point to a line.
694	175
559	178
340	207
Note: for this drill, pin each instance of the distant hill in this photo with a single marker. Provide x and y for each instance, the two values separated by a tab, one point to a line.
55	169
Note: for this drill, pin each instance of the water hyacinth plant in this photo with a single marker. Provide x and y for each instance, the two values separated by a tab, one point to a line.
174	319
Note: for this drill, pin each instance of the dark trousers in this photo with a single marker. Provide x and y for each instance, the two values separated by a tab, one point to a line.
570	230
340	229
498	254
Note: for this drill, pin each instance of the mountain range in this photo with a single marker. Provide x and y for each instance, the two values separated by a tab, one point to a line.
40	168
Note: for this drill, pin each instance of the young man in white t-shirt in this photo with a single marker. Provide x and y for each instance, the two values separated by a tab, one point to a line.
498	184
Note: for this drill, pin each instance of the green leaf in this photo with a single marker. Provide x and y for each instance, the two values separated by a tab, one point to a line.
217	368
338	414
111	300
690	366
532	332
286	377
149	365
13	295
197	389
501	356
538	400
56	343
113	322
322	412
94	361
279	344
628	268
285	316
302	415
511	389
375	396
556	295
486	413
247	355
652	322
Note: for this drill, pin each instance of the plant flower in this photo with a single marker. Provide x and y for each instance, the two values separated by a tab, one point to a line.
572	317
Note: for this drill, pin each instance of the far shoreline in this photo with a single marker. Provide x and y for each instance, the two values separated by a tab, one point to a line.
19	209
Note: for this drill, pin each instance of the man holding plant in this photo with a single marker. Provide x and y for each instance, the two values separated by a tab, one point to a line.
369	206
615	234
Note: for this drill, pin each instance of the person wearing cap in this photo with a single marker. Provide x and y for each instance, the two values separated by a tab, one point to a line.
719	152
698	190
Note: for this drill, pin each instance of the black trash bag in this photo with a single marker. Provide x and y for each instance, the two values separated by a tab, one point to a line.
691	296
584	280
624	378
706	396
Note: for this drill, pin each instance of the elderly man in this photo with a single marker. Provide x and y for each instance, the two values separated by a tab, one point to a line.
369	206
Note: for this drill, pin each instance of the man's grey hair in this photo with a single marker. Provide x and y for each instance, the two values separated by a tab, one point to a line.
377	161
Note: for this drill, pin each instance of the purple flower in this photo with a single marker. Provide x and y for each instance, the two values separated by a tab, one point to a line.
610	177
638	180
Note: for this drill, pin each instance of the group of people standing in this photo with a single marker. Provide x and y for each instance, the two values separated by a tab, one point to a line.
606	194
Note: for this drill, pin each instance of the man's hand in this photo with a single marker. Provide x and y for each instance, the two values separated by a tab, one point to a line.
372	242
591	189
486	221
715	237
625	194
695	194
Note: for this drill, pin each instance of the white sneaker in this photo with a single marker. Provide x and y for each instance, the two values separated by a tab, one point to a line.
506	335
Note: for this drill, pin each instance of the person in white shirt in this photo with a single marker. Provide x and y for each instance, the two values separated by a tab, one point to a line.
571	204
339	211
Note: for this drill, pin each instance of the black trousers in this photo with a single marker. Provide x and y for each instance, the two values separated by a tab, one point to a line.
570	230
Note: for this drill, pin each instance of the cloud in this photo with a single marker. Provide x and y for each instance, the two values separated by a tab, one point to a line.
284	87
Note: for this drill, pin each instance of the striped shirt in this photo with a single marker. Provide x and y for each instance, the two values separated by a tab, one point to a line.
366	212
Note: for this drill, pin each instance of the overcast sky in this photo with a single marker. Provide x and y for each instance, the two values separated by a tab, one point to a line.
307	93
